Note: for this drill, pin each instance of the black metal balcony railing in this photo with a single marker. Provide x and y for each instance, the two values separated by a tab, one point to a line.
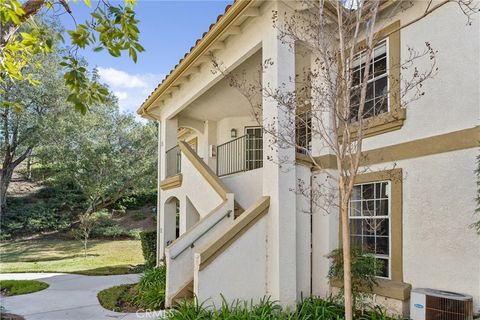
173	158
241	154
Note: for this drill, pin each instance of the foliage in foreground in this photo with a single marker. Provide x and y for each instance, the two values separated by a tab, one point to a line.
364	270
151	289
307	309
16	287
149	247
148	294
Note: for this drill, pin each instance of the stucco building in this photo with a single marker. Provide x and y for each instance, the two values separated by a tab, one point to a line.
229	219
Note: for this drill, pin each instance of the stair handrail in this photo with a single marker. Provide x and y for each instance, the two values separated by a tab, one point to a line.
208	253
192	243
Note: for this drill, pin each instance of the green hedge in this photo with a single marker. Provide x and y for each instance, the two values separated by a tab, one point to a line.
149	246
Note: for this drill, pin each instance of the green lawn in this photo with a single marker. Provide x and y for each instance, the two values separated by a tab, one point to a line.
16	287
58	255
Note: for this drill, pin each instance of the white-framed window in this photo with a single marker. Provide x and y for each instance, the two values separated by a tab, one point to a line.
370	222
376	100
253	148
303	132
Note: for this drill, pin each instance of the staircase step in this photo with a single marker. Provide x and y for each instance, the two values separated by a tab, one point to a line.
237	209
186	293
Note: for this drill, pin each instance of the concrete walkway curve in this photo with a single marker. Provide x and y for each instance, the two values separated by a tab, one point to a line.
69	297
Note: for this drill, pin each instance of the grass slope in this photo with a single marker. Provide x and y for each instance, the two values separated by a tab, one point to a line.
16	287
59	255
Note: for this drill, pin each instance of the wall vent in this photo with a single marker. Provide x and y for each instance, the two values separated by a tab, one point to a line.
431	304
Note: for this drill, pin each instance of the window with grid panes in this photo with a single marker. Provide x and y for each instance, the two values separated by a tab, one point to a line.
303	132
376	100
370	221
254	148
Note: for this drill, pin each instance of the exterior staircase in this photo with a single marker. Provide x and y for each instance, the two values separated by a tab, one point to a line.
185	293
228	218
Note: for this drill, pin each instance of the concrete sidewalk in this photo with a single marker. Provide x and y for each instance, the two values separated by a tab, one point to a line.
69	297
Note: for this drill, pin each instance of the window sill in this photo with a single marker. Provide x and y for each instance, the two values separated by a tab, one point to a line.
171	182
380	124
385	288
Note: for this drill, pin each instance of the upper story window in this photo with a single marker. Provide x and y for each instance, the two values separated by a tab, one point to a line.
376	101
303	132
370	222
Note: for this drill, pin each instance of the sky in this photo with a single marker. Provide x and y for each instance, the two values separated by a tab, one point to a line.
167	31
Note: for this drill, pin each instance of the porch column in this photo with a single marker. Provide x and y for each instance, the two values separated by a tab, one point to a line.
211	139
167	140
160	249
169	136
325	219
279	169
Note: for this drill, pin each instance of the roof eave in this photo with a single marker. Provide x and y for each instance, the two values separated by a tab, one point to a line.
232	13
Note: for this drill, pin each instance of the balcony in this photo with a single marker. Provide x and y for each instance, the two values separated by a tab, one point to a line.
173	158
241	154
238	155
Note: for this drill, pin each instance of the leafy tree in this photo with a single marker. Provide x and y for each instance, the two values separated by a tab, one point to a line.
86	223
110	27
23	110
106	153
365	268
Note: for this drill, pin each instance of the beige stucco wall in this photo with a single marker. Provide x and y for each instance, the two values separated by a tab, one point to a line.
439	248
303	234
246	186
239	123
239	272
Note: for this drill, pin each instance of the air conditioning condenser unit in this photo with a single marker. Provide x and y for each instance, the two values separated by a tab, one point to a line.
431	304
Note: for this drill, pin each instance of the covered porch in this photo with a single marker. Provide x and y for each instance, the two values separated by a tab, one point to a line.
222	126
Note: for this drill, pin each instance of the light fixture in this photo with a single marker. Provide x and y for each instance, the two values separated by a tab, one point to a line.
233	133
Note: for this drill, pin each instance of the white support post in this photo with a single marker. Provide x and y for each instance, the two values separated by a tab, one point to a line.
167	139
279	179
211	139
160	248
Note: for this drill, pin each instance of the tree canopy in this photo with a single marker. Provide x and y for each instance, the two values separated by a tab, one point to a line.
105	152
110	27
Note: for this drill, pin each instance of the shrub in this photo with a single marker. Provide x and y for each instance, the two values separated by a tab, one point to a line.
138	200
320	309
364	271
138	215
151	289
149	246
24	218
148	294
115	232
54	208
307	309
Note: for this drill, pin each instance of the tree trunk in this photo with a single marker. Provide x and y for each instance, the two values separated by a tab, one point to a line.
5	177
347	280
29	167
85	242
